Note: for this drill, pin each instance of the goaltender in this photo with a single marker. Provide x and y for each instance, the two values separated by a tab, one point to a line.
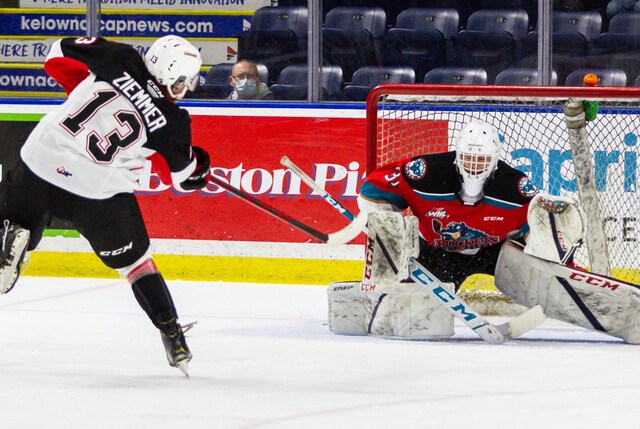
470	213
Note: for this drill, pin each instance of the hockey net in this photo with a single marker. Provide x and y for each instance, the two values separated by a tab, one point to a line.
593	161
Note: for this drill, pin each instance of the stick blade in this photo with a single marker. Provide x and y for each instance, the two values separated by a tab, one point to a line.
350	232
523	323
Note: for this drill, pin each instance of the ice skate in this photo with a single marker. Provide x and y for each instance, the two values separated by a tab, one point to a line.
14	249
175	345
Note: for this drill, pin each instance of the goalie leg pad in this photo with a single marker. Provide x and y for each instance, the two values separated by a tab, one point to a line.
406	311
348	308
585	299
411	313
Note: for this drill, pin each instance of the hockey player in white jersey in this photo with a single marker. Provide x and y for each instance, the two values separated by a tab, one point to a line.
83	161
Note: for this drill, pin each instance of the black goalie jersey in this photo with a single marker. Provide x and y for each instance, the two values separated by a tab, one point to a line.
99	155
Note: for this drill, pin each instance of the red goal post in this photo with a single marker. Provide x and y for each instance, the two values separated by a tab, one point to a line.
545	135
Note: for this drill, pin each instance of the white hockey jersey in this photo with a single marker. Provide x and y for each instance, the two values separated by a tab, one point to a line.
97	142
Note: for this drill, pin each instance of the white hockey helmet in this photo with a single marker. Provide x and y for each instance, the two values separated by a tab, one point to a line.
175	63
477	154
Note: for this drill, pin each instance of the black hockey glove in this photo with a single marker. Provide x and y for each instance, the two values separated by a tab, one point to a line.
200	177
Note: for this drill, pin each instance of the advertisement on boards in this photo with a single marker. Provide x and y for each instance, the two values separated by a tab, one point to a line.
203	24
218	5
245	152
36	50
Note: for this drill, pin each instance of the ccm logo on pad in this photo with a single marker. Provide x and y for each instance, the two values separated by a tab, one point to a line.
595	281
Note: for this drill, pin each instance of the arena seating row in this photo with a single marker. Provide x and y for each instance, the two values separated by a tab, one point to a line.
427	38
292	82
465	8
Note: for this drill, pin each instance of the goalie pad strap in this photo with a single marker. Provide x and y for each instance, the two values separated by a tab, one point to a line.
580	303
374	313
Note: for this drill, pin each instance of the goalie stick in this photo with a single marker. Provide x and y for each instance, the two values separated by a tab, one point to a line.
342	236
285	161
494	334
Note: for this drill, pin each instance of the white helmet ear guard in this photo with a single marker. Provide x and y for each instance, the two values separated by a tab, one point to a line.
174	63
477	155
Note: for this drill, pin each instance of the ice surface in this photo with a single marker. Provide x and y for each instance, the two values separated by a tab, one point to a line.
79	353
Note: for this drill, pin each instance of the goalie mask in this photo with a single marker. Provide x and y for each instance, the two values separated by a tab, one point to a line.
175	64
477	154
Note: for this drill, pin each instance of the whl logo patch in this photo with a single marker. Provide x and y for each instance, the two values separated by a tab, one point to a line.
62	171
438	213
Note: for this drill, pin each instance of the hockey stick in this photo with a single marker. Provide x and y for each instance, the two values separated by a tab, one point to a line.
494	334
343	236
285	161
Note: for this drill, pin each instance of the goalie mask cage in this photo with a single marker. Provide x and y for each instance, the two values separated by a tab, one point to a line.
545	135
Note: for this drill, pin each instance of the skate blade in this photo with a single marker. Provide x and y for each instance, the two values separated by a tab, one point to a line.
184	367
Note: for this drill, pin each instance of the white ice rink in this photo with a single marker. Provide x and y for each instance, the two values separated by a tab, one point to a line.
80	354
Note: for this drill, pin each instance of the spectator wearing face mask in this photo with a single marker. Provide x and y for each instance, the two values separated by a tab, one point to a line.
246	83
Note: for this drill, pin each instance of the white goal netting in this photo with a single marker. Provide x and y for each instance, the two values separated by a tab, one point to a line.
407	120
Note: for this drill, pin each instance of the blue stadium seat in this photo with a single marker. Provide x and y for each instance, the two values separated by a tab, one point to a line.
464	7
367	78
620	46
352	37
216	84
492	40
277	38
522	76
457	76
574	34
421	38
606	77
531	7
292	83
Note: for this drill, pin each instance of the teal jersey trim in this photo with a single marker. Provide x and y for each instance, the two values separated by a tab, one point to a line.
372	192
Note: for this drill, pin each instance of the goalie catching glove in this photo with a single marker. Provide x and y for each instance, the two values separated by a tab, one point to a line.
201	175
557	227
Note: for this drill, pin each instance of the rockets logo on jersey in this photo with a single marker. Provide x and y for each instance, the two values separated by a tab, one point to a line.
458	235
526	187
416	169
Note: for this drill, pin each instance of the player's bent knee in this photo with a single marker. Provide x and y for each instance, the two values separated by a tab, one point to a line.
140	268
